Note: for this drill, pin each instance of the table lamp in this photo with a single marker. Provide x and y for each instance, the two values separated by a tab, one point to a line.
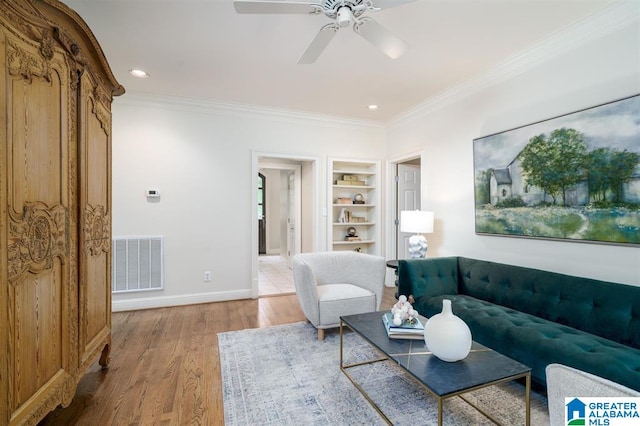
421	223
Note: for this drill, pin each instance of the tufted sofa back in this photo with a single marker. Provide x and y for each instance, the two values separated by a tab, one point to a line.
602	308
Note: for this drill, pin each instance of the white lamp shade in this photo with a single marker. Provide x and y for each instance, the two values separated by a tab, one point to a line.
416	221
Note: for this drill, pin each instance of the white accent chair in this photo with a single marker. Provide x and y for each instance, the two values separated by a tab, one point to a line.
333	284
565	382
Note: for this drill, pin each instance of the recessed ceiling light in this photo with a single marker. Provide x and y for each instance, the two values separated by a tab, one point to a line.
372	107
138	73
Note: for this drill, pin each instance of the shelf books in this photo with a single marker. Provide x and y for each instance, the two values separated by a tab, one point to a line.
404	331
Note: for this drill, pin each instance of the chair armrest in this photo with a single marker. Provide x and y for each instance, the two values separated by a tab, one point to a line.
306	289
563	382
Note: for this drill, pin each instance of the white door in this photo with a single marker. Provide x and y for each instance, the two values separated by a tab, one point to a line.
408	190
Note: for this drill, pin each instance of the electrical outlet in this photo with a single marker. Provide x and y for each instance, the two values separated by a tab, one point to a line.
207	276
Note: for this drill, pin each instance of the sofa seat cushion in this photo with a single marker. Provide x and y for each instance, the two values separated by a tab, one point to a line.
537	342
336	300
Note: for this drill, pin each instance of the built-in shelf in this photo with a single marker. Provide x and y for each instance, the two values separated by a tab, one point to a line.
367	172
354	186
346	243
353	223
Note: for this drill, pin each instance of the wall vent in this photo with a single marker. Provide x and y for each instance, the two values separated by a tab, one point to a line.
138	264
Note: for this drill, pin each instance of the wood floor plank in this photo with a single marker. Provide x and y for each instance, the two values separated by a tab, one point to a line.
165	364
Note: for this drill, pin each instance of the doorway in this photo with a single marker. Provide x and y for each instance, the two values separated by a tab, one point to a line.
292	223
406	190
278	233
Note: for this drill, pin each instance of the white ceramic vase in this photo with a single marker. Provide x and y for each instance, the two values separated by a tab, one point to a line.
447	336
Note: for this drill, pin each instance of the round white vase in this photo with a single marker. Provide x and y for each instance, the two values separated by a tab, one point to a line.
447	336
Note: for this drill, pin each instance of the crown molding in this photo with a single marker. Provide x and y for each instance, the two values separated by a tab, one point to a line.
620	14
176	103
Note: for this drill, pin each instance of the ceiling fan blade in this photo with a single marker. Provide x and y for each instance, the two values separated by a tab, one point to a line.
250	6
319	43
386	4
380	37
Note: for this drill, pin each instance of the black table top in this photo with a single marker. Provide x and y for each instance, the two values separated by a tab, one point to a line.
481	367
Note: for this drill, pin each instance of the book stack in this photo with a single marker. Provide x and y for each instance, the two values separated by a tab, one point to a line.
350	180
405	330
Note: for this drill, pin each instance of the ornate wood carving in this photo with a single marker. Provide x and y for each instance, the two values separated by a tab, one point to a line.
97	228
46	45
69	45
36	238
22	63
102	114
64	391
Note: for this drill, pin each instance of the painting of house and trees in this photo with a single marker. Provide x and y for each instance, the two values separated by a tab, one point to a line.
574	177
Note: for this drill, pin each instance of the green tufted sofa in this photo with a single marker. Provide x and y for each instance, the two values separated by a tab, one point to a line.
533	316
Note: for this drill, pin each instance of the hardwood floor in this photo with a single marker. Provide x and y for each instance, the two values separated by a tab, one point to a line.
165	366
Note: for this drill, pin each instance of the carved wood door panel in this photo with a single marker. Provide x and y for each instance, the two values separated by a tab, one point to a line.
38	281
56	89
95	211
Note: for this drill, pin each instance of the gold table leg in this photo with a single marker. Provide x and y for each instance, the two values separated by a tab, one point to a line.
344	368
440	400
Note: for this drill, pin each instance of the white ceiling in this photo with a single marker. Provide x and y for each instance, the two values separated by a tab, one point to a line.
203	49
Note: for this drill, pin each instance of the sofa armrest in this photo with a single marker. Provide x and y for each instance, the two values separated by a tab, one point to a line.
424	278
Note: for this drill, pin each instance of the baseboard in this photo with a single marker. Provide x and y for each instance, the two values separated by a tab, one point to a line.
181	300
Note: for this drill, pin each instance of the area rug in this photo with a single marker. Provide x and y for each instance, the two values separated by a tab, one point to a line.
283	375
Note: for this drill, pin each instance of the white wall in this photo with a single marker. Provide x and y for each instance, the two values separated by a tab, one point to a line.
566	76
199	156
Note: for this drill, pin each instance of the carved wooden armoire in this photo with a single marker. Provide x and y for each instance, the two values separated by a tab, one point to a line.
55	206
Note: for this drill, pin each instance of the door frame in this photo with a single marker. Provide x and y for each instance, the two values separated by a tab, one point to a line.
256	157
392	199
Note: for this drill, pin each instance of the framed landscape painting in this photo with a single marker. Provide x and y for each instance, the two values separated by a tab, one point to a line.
574	177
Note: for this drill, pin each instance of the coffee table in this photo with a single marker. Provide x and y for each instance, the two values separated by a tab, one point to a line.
481	368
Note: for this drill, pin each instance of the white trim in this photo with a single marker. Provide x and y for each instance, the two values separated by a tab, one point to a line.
177	103
181	300
619	14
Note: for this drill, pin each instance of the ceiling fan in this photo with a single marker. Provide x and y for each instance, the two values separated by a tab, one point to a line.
343	13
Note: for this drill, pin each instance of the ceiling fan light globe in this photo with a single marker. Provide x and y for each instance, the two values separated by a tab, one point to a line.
345	17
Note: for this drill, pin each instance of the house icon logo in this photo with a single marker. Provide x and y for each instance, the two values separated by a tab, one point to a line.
576	412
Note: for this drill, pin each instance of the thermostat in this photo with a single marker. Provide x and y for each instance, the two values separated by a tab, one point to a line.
153	193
